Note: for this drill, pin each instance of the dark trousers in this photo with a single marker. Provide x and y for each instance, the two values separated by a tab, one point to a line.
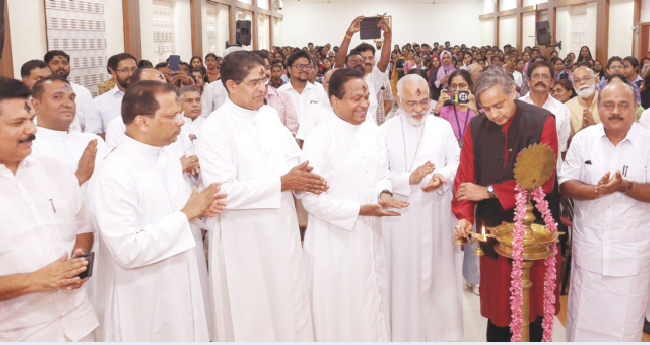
503	334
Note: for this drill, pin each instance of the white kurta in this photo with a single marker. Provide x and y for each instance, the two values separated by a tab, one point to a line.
257	270
611	239
345	251
150	282
424	265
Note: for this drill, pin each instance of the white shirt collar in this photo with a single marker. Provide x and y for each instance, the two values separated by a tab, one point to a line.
141	148
51	133
346	126
631	135
239	111
115	91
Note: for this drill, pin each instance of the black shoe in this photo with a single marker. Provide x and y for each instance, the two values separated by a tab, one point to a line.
646	327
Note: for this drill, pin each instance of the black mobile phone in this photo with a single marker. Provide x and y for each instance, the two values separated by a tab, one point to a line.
369	28
174	62
90	257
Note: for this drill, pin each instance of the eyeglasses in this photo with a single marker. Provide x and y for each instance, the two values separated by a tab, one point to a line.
127	70
579	80
612	66
256	83
463	86
423	103
544	77
303	67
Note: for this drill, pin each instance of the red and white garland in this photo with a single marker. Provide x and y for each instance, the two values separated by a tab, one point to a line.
516	287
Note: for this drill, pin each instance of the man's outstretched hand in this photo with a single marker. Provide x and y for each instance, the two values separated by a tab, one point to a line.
301	179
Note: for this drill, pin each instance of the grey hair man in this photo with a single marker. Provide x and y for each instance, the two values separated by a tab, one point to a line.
485	186
584	108
423	158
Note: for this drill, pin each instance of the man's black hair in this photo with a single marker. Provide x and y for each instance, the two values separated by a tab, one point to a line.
140	99
339	78
119	58
541	63
297	55
364	47
53	53
31	65
237	65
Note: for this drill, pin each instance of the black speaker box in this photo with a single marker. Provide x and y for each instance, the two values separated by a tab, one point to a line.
243	33
543	33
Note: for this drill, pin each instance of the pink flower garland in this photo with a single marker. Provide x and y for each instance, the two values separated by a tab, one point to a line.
516	287
549	262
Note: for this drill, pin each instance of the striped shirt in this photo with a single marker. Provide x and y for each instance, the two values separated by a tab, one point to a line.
383	95
281	102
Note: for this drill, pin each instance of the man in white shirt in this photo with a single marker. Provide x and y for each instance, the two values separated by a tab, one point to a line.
344	245
44	219
540	81
606	173
54	104
424	265
303	93
150	284
257	270
315	114
59	63
362	57
191	108
107	106
511	64
215	94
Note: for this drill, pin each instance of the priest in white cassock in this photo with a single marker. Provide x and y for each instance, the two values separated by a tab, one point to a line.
607	173
257	270
344	244
424	265
45	224
144	209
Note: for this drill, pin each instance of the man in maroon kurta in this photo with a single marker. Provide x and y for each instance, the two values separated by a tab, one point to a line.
485	184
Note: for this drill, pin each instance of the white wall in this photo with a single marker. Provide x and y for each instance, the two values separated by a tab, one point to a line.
645	10
621	19
114	21
487	32
533	2
508	31
489	6
505	5
183	29
527	30
563	30
592	11
455	21
28	38
146	30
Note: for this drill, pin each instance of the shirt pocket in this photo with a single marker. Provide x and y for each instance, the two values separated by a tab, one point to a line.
636	174
593	174
59	214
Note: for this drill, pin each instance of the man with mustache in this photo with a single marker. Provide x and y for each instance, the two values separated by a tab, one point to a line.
485	190
107	106
54	104
362	57
425	282
344	244
584	110
59	64
607	173
257	270
45	225
540	81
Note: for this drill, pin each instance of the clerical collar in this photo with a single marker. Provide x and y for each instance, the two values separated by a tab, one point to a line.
141	148
243	112
51	133
346	126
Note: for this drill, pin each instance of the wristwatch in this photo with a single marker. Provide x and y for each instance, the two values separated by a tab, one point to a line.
491	192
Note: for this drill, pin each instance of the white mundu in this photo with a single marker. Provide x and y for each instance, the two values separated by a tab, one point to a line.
257	270
345	251
424	265
150	283
611	239
42	210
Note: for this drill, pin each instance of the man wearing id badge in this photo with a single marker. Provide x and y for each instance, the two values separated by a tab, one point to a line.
456	104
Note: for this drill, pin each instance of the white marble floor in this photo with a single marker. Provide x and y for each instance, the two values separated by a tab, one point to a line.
475	324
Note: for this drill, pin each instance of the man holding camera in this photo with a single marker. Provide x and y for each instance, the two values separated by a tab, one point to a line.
362	57
42	297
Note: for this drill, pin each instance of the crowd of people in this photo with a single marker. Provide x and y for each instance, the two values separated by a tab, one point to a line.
278	196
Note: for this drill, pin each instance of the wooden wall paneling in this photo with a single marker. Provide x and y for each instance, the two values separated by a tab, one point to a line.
132	36
7	59
602	30
255	23
197	27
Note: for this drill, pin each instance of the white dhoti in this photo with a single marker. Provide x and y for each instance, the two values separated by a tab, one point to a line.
606	308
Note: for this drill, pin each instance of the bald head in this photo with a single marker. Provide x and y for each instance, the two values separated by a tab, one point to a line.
474	70
619	89
617	104
412	85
